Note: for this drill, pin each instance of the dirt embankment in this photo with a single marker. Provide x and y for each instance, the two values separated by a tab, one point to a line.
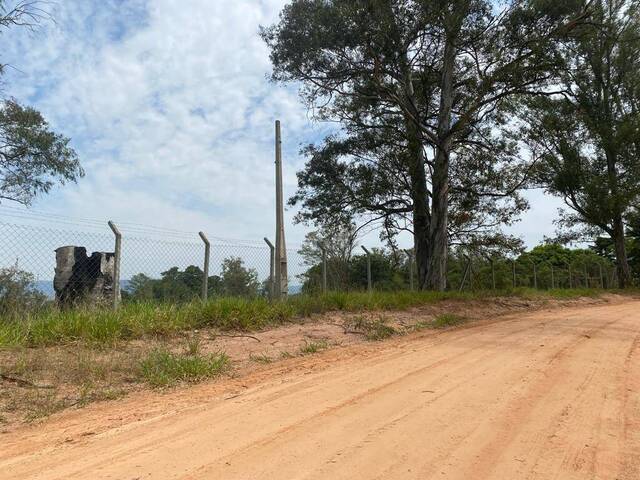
79	374
548	394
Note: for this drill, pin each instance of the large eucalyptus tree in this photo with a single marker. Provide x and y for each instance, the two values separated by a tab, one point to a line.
589	134
418	86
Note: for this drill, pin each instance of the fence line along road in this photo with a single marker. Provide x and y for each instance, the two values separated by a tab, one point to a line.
109	263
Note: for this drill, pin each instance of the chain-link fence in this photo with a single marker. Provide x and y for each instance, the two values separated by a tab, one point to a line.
73	262
486	274
40	265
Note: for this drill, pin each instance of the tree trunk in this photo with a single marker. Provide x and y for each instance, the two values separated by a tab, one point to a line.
622	267
419	197
618	237
438	228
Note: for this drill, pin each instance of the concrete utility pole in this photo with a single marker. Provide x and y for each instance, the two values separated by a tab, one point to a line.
281	277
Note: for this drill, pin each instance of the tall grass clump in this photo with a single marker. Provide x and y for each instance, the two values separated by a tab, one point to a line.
162	368
137	320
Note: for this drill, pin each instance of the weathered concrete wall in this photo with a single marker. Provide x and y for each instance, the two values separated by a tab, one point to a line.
83	279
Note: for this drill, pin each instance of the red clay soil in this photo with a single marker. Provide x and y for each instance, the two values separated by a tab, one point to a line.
543	395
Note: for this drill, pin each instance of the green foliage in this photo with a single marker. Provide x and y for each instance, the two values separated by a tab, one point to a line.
406	78
162	368
372	329
262	358
389	271
179	286
555	266
140	320
336	242
238	281
33	158
587	138
313	347
18	293
447	320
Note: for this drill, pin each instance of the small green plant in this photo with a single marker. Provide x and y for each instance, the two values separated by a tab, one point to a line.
372	329
421	325
313	347
285	354
263	358
162	368
447	320
193	346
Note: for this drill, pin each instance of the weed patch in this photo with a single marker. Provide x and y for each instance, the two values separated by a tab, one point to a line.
372	329
447	320
313	347
139	320
264	359
162	368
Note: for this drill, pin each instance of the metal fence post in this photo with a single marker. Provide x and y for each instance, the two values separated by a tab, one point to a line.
513	268
465	274
205	279
117	254
493	274
272	261
570	277
586	276
601	276
535	276
553	280
369	286
324	270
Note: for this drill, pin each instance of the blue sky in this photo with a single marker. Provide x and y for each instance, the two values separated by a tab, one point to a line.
168	106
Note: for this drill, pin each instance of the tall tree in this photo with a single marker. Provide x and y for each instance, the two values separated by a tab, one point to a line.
336	244
33	158
417	85
589	136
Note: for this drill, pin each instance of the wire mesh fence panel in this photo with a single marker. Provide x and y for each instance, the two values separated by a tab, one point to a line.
161	270
39	263
240	270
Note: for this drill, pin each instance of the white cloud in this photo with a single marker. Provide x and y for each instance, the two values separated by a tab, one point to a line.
173	117
168	106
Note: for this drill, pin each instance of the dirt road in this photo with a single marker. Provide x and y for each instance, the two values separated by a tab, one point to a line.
550	395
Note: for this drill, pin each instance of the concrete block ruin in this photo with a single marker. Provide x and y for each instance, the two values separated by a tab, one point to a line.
82	279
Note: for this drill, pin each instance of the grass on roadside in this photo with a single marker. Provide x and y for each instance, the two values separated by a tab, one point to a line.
313	347
439	322
447	320
140	320
162	368
262	358
372	329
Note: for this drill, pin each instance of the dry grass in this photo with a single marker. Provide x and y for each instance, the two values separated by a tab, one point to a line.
94	362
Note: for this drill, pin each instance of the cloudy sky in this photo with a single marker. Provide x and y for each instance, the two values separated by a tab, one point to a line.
168	106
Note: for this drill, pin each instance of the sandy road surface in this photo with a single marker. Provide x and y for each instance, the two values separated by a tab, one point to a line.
550	395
